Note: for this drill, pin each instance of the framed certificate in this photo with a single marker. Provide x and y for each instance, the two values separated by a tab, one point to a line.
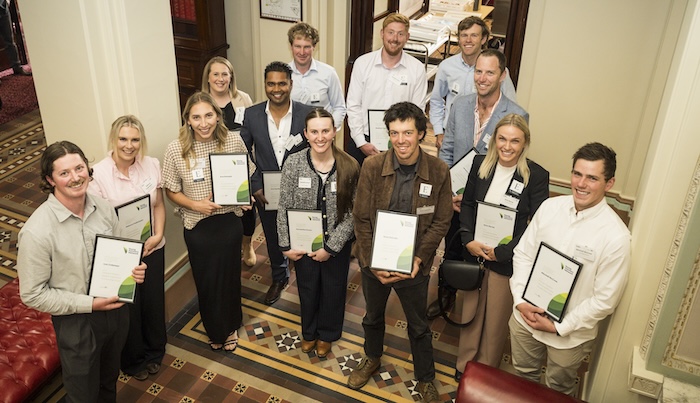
378	133
394	241
494	224
305	230
282	10
112	264
551	281
135	219
229	179
459	172
271	189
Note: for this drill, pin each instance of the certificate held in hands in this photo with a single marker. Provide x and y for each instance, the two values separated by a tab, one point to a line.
494	224
271	189
394	241
305	230
112	263
551	281
378	133
229	179
135	219
459	173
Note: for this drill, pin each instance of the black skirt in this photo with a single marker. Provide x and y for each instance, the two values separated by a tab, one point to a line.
214	248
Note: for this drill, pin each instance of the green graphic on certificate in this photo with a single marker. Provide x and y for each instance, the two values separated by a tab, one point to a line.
127	289
230	178
305	230
556	305
460	191
506	240
393	249
551	281
317	243
405	261
243	194
146	232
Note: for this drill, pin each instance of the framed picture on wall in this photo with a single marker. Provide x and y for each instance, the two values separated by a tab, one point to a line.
281	10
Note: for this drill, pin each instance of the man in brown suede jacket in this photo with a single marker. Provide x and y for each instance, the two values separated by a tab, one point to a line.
407	180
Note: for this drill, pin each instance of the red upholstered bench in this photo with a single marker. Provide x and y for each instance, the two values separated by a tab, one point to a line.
481	383
28	351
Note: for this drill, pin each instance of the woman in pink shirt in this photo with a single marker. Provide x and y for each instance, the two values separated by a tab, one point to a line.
124	175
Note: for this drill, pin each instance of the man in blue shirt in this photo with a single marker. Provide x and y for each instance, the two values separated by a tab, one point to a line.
455	75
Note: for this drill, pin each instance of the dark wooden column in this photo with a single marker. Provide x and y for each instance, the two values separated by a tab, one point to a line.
515	36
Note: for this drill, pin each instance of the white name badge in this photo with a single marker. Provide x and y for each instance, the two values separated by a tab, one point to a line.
455	88
486	139
298	139
147	185
510	201
425	189
315	98
584	252
197	169
517	187
197	175
305	183
289	143
425	210
240	111
333	187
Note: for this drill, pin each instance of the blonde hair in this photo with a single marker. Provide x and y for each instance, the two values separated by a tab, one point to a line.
186	136
396	17
128	121
491	158
232	88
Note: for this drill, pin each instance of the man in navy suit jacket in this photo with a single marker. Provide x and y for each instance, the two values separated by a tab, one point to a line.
272	131
463	132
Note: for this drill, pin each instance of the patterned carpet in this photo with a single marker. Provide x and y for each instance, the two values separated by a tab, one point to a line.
268	365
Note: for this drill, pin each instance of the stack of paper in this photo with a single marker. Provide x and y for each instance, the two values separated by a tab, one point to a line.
432	31
451	5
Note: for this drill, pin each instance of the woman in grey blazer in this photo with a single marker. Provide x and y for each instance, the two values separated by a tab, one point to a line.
322	178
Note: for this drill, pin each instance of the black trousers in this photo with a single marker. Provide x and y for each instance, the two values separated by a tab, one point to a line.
90	345
214	247
322	287
146	340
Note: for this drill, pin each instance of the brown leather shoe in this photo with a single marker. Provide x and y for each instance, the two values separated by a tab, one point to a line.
448	299
361	374
428	392
273	294
322	348
308	346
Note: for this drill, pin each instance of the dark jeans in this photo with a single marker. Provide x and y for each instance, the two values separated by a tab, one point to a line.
413	300
278	262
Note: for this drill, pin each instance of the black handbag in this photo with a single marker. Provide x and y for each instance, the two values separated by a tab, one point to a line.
460	275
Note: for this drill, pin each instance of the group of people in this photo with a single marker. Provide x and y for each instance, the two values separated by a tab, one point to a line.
292	133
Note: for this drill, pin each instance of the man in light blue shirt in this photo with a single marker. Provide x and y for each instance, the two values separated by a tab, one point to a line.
455	75
315	83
